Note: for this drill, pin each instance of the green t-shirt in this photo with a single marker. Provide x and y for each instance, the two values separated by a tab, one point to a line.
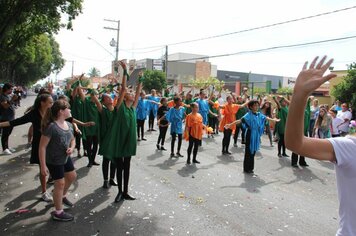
188	110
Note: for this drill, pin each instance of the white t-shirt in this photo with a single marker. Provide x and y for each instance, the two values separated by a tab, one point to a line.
344	115
345	152
336	121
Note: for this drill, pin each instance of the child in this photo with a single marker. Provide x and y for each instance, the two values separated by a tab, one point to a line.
254	123
194	132
106	111
340	151
56	145
282	113
175	116
162	124
141	111
336	121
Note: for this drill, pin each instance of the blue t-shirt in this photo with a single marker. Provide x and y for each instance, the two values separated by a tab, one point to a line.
175	117
142	109
203	109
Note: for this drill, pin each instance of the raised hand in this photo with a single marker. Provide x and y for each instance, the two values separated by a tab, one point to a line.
309	79
123	65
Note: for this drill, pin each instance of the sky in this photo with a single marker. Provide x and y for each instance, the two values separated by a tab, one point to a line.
160	22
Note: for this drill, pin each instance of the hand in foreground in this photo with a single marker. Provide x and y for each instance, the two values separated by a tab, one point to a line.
309	79
69	151
44	171
227	126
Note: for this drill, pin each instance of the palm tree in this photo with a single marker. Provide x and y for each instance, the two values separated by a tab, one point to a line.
94	72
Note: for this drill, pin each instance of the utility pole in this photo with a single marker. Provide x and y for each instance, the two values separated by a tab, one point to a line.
72	69
166	63
112	43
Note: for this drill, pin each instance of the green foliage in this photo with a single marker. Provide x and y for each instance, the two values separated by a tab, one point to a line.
346	90
94	72
154	79
285	91
28	50
260	91
206	83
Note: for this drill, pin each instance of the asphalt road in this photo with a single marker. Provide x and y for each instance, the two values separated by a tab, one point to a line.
212	198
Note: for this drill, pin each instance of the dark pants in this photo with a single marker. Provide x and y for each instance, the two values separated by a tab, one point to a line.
212	122
92	147
123	165
237	132
105	168
295	159
269	133
6	132
140	126
174	137
151	120
249	159
281	144
77	140
311	127
162	135
226	140
193	145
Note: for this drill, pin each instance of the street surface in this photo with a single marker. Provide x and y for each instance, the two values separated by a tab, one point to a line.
212	198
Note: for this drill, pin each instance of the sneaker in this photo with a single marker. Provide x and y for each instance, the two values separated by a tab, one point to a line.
172	155
106	184
143	139
63	216
158	147
12	150
112	182
7	152
67	202
163	149
47	197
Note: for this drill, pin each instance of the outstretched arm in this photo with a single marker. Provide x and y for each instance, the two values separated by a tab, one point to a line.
123	85
308	80
138	90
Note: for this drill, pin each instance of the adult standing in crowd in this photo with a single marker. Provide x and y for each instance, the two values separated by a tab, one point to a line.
7	113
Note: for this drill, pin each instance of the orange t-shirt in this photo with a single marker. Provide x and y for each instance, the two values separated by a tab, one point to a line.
229	112
194	123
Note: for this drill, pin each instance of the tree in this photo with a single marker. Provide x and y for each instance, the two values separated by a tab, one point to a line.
345	91
285	91
154	79
23	24
94	72
208	82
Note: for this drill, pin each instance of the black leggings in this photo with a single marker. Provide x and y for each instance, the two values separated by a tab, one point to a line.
269	133
6	132
123	165
237	132
77	140
281	145
226	140
249	159
92	147
151	120
162	135
105	168
212	122
140	126
193	142
174	137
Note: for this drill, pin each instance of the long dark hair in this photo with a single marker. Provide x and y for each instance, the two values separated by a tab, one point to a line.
268	109
52	114
37	104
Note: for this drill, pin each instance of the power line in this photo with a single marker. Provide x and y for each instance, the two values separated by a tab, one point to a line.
267	49
254	28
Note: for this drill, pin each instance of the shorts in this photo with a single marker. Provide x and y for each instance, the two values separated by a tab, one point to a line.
57	171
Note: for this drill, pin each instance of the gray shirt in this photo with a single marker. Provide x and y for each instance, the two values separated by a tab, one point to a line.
7	114
59	143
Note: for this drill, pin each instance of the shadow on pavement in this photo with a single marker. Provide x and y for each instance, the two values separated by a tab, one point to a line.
187	170
166	165
304	174
252	183
157	154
